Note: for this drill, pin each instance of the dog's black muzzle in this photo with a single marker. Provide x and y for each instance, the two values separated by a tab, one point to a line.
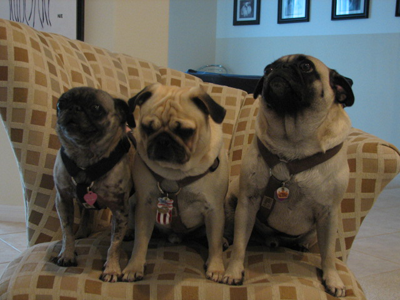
165	148
285	91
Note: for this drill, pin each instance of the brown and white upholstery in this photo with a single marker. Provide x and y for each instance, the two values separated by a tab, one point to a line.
35	69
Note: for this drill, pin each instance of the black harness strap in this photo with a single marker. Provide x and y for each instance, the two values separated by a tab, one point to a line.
95	171
294	167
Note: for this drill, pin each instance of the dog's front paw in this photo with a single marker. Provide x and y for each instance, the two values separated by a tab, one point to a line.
65	260
333	284
111	273
131	274
110	277
234	274
215	270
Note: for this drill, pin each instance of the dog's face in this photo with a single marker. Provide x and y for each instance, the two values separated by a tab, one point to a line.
175	123
295	83
86	115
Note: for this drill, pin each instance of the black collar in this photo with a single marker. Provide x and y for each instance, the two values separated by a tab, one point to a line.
298	165
95	171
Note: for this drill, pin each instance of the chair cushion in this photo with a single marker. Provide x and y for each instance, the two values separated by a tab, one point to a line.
173	272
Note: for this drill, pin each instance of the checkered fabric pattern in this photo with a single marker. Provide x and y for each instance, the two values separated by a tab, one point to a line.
35	69
173	272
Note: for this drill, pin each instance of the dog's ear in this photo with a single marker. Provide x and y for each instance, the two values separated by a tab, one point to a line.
123	110
141	97
259	88
342	87
207	104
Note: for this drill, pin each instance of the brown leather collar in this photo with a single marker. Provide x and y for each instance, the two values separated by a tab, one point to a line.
187	180
298	165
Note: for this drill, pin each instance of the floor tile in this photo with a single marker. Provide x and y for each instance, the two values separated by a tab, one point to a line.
8	253
384	246
11	227
382	287
362	264
16	240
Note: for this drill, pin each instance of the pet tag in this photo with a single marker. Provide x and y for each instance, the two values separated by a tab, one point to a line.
164	210
282	193
90	198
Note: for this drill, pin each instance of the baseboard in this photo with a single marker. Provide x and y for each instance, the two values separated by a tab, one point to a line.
11	213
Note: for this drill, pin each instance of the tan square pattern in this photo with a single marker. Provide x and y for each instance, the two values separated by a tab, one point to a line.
279	274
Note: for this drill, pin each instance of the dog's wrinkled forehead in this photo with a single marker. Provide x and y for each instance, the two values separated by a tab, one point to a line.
86	97
300	59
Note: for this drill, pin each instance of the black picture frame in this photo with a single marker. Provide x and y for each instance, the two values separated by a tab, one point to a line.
290	11
246	12
350	9
80	20
397	14
58	16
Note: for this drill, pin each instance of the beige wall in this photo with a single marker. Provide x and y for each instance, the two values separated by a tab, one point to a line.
135	27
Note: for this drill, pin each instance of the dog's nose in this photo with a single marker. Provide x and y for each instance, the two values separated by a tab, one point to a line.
76	108
164	141
279	85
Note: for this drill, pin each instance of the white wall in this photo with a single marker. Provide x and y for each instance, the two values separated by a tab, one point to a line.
135	27
366	50
192	33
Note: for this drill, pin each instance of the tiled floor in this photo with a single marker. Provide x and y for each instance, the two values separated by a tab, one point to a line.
374	258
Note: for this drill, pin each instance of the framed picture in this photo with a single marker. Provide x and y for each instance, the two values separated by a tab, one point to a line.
290	11
58	16
397	8
246	12
349	9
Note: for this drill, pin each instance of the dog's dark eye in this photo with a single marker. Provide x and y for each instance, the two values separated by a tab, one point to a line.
268	70
306	67
95	108
148	130
184	133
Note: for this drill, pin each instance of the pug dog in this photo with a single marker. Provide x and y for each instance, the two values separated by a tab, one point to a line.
93	166
180	172
295	172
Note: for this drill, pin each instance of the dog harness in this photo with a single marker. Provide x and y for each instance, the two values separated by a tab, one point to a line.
276	189
167	206
84	192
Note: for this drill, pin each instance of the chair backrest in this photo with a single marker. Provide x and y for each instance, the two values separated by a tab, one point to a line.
35	69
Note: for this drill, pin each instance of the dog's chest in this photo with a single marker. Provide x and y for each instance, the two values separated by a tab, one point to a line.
188	207
192	207
111	190
294	214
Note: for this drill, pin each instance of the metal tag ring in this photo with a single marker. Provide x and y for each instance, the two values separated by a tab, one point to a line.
168	193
